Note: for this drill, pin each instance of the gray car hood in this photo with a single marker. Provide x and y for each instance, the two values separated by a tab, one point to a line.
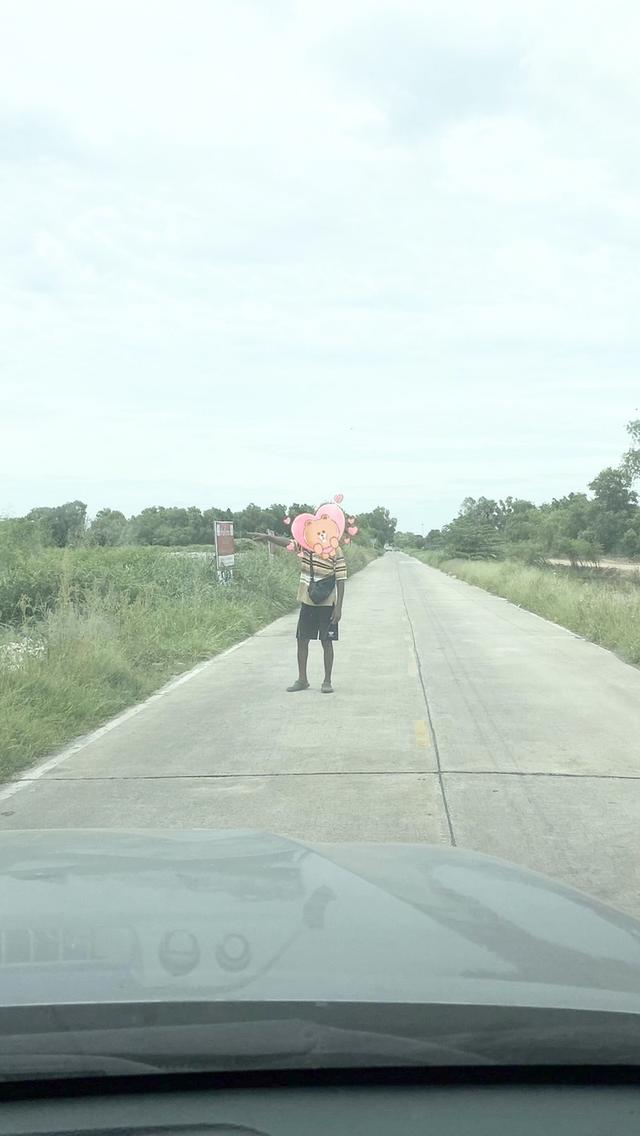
105	916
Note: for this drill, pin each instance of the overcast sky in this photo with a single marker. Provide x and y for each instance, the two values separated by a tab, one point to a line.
276	250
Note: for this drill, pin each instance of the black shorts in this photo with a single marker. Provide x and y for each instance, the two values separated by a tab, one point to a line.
314	621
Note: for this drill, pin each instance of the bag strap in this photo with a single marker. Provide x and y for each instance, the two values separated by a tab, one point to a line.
311	568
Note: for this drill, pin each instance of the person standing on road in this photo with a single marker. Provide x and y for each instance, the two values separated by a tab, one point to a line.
316	620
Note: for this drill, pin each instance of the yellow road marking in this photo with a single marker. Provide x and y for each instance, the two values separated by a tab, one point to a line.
422	733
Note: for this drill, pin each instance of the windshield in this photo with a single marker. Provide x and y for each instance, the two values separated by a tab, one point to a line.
319	534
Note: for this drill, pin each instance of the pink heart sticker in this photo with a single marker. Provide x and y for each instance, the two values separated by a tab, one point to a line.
339	498
352	520
319	532
290	546
286	520
347	540
352	530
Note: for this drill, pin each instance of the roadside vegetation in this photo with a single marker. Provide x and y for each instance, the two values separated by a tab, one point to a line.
512	548
87	631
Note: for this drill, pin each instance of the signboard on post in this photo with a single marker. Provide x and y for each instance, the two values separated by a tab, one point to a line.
225	548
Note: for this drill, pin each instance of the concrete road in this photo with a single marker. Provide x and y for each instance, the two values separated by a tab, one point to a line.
457	718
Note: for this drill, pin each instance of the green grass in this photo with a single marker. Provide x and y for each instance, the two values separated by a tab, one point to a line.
123	622
606	610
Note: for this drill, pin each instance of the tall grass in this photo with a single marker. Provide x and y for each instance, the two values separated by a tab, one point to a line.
109	626
607	611
34	583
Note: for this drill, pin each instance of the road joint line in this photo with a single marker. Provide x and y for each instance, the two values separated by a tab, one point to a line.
419	773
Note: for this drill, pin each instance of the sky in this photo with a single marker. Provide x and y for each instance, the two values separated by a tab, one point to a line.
276	250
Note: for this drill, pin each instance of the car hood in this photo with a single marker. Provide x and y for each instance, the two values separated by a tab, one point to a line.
105	916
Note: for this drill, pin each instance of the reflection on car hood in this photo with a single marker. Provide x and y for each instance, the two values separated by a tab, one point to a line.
104	916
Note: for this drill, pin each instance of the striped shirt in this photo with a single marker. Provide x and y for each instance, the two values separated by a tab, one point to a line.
321	567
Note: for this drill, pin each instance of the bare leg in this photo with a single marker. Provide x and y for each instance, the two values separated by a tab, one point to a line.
327	647
303	655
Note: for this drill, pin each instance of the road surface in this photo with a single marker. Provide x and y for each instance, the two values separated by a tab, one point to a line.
457	718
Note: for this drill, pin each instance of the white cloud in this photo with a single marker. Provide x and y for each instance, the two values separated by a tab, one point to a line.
254	250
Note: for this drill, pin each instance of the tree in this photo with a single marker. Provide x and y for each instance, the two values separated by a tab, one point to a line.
176	527
254	518
278	512
519	520
630	543
578	551
631	460
612	490
471	538
484	510
614	506
107	528
514	518
209	516
566	518
380	524
295	509
409	540
434	539
64	524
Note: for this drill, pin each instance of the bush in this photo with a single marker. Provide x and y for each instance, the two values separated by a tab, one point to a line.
245	544
526	552
577	551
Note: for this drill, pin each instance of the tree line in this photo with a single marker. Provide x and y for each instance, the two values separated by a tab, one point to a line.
579	527
67	525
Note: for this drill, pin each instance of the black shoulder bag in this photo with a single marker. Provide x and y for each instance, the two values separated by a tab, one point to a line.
320	590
